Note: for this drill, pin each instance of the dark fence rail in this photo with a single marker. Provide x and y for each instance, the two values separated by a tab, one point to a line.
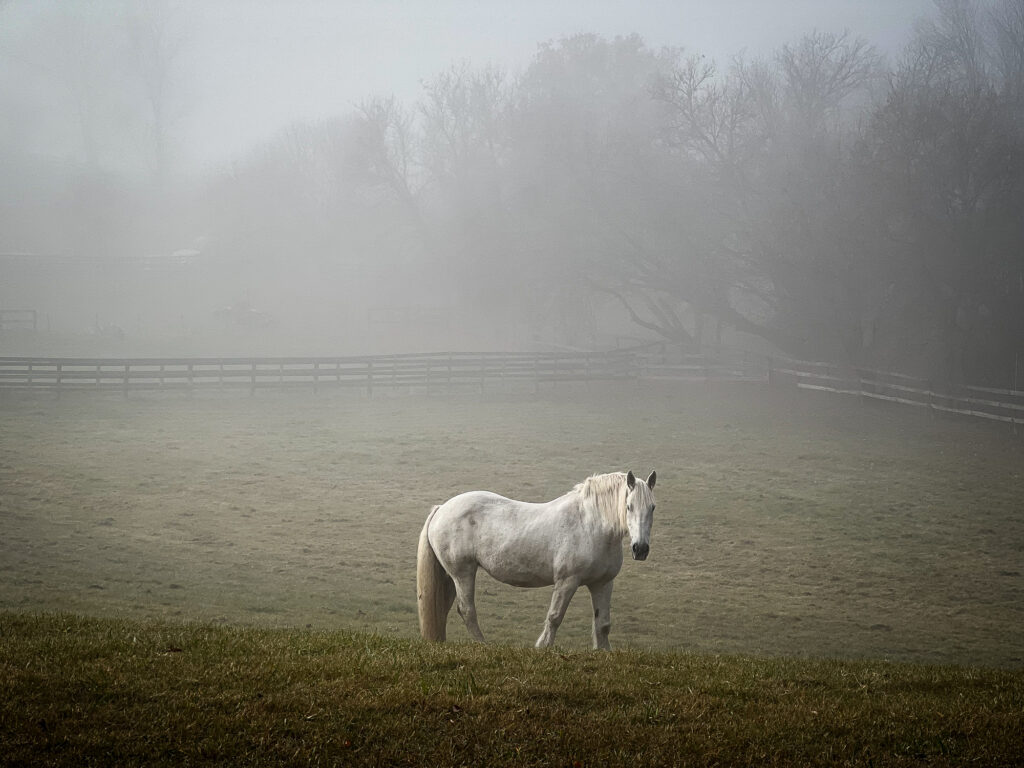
369	372
410	370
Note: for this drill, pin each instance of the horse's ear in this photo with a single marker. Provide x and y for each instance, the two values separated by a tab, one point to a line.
630	479
652	479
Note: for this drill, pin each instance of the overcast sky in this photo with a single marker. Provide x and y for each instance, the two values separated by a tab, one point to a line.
254	66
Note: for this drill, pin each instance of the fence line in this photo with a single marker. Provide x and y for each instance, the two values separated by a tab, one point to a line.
413	370
449	370
1001	405
430	370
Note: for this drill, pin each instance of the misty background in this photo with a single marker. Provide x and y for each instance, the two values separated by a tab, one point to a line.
830	180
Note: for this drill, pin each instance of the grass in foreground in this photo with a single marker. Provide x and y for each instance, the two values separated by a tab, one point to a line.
83	691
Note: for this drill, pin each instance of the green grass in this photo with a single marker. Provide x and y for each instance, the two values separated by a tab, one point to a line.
787	524
87	691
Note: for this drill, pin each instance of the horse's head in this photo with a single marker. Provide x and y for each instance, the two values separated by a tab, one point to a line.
640	513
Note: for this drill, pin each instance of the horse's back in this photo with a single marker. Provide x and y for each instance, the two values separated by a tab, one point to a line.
482	507
475	499
468	510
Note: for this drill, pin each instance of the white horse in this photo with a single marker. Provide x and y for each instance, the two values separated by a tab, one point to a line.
572	541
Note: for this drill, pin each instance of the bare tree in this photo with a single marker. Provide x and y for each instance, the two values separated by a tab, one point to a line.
156	41
1007	20
758	150
466	117
945	156
383	156
820	73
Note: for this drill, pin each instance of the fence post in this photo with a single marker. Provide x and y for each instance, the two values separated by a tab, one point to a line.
126	367
1016	383
369	378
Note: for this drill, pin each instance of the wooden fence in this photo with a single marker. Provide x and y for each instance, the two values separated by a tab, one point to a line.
442	370
993	404
447	371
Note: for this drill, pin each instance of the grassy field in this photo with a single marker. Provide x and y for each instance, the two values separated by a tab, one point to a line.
788	524
77	692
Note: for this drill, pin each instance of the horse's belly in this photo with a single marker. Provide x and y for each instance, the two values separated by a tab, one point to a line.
518	573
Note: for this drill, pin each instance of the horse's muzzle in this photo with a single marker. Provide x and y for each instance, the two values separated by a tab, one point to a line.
640	551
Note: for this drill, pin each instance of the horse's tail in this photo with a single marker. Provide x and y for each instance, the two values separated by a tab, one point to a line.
435	590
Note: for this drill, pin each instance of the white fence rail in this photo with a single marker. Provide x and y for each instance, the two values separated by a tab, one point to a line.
1002	405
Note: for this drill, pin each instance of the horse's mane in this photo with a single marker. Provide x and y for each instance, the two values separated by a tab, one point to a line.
607	494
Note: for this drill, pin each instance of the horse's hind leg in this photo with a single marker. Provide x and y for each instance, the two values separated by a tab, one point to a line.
465	587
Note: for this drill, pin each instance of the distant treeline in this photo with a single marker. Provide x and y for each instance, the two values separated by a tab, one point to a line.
825	200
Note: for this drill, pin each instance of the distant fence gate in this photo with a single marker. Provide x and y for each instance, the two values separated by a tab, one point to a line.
446	371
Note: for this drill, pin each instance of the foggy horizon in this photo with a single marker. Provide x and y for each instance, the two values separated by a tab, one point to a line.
333	178
249	70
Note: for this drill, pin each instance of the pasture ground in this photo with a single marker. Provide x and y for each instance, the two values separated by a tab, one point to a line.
77	691
788	524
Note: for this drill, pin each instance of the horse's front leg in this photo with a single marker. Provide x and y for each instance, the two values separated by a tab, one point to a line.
601	597
564	590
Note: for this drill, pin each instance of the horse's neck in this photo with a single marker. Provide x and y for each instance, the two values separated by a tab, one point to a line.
608	520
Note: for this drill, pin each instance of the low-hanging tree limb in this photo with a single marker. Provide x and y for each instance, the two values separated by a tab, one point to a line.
673	332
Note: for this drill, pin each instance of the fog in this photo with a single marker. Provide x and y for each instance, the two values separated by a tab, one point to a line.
831	180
